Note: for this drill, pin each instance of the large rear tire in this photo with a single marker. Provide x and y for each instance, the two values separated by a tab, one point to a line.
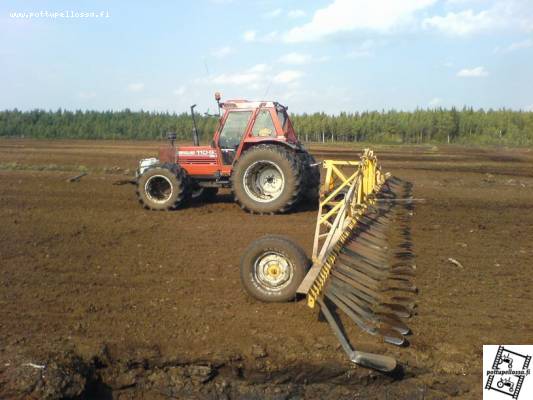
311	178
272	268
163	187
267	179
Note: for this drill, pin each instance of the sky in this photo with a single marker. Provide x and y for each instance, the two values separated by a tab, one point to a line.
325	55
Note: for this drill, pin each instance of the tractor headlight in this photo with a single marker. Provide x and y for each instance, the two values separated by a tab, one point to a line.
146	163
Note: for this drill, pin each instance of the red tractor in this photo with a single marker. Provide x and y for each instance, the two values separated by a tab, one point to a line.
254	151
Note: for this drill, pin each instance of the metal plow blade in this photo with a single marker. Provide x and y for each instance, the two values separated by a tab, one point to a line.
363	255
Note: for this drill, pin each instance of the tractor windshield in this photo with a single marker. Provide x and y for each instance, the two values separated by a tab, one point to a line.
234	128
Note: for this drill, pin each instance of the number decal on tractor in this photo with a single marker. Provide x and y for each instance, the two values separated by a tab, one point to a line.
202	153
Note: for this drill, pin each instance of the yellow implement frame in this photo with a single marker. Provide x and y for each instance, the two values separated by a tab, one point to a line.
347	191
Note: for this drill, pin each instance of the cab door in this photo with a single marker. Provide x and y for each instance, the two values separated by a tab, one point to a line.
230	137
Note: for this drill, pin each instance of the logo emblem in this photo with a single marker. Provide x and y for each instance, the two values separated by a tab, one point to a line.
508	372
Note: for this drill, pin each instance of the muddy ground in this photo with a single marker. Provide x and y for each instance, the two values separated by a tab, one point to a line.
102	299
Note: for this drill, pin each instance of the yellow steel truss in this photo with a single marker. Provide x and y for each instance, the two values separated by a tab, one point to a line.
347	190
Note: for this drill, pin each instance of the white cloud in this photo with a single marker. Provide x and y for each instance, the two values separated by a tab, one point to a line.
434	102
252	36
269	37
462	23
497	15
273	14
136	87
222	52
287	76
260	68
524	44
528	108
249	36
296	13
180	91
477	72
296	59
350	15
454	2
257	77
235	79
365	49
252	76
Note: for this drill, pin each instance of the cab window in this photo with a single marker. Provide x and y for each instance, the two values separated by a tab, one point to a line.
264	126
282	116
234	129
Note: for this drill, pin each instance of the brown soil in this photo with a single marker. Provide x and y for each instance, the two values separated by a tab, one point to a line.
119	302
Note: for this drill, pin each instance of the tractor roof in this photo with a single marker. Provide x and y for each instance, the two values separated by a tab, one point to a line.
246	104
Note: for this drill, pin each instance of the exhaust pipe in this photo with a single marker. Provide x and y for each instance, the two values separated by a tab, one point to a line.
195	139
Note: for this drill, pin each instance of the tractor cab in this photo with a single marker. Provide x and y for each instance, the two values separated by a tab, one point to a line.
246	123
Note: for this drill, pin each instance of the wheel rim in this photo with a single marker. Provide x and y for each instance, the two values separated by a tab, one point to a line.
263	181
158	189
273	271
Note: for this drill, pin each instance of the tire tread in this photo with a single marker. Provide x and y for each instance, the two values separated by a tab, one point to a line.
181	185
294	162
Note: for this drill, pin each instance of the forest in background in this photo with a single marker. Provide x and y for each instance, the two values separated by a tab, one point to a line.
465	126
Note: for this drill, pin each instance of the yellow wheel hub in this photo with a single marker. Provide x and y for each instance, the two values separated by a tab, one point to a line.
273	270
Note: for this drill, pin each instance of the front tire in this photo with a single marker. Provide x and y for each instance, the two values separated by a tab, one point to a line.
163	187
272	268
267	179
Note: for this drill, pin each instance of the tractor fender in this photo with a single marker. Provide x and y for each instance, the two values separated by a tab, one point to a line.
176	169
290	146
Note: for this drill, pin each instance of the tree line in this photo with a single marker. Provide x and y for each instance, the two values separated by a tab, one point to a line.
465	126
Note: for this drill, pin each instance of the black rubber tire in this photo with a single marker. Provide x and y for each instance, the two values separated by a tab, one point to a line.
284	246
206	194
179	183
288	163
311	178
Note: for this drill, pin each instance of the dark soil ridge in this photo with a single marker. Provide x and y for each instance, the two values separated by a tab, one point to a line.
66	375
